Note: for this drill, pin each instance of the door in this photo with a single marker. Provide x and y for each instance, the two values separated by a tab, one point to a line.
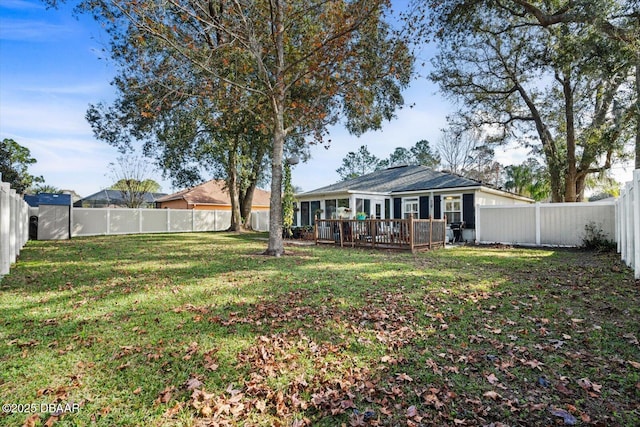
378	210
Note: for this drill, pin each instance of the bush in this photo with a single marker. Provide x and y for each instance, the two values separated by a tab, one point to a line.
595	239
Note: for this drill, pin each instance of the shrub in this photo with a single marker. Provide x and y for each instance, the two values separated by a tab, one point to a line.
595	239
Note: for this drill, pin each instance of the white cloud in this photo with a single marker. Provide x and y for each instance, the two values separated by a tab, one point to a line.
21	5
33	30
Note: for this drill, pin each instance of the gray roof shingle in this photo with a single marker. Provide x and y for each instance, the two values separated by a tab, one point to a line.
399	179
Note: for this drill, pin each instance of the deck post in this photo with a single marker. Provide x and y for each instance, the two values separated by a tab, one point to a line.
411	243
341	230
444	232
430	233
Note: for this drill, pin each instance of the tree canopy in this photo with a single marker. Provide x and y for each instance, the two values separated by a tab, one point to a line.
295	66
562	90
130	174
14	166
358	163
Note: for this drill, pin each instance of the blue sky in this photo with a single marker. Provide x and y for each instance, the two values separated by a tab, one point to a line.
52	67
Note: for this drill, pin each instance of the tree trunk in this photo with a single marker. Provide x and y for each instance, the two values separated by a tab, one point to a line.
234	196
276	245
571	173
247	196
246	204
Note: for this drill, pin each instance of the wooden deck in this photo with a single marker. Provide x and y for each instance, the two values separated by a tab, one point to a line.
403	234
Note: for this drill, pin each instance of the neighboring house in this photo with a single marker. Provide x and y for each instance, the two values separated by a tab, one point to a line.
211	195
114	199
401	191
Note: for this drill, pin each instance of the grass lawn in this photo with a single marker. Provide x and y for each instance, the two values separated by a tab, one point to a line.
200	329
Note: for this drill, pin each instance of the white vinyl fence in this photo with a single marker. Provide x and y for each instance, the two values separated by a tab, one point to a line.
544	224
14	226
628	223
104	221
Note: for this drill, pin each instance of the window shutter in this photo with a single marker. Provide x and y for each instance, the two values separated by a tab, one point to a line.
424	207
437	210
469	210
397	208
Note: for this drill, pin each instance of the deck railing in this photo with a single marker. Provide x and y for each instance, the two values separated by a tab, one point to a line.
405	234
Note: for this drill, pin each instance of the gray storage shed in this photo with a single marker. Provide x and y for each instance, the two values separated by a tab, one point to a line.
54	217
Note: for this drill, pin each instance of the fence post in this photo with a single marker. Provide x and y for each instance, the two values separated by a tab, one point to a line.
636	222
627	225
5	217
411	243
13	221
538	221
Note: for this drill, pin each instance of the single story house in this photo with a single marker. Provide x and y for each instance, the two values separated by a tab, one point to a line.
114	199
211	195
403	191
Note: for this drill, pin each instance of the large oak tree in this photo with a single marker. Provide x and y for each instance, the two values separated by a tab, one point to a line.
563	90
297	66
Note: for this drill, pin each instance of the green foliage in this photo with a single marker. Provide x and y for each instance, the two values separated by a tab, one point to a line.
124	184
288	201
550	77
424	155
130	176
362	162
43	188
596	239
14	166
528	179
266	72
358	163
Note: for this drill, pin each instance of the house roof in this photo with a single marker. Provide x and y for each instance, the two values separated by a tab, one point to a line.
115	196
399	179
213	193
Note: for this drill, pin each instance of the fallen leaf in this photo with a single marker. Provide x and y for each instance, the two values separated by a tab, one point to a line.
492	395
566	416
634	364
404	377
193	383
563	389
51	421
31	421
492	378
412	411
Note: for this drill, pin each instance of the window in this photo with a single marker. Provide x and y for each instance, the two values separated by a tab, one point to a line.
304	214
411	208
315	211
329	209
453	208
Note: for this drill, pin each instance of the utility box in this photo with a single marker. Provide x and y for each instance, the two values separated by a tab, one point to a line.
54	216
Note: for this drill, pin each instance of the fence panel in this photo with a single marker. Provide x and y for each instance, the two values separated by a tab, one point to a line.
628	223
104	221
563	224
506	224
155	220
14	226
260	220
543	224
